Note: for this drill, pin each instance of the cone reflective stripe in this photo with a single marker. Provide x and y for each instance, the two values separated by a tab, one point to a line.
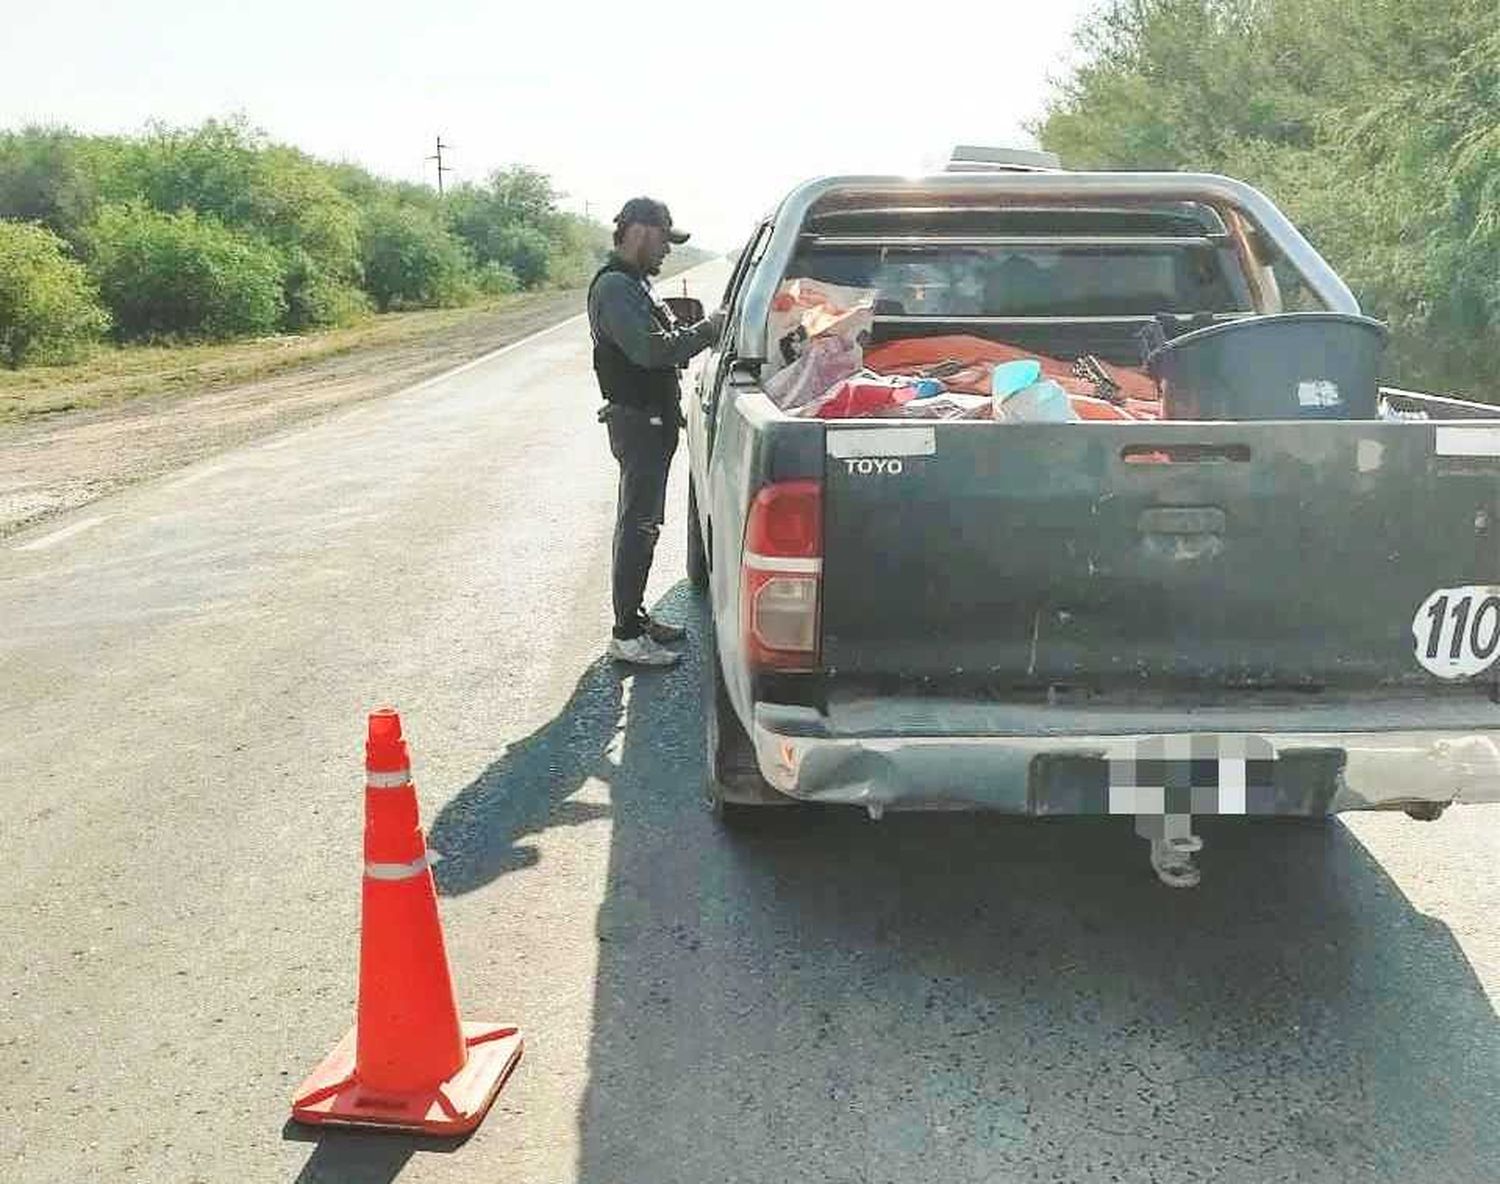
409	1063
396	780
397	871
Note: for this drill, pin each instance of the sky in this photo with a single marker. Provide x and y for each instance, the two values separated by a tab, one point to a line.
716	109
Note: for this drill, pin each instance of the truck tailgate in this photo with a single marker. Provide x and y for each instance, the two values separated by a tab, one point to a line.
1310	555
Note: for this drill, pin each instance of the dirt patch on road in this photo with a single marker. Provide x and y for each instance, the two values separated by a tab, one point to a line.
59	463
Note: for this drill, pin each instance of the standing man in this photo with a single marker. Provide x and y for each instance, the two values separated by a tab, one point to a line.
638	346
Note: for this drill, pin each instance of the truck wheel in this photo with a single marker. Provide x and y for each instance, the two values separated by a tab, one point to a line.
731	775
697	558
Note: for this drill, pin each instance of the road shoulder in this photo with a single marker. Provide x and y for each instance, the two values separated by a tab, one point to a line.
63	462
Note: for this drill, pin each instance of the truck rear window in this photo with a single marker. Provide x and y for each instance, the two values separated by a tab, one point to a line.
1043	280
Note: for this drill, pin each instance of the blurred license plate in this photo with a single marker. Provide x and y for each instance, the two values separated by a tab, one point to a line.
1230	774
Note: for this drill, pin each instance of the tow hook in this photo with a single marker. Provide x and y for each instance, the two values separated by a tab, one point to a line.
1173	845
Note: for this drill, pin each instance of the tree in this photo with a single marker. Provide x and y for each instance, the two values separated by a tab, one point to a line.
410	260
297	206
49	310
232	210
1372	122
523	195
180	275
511	220
228	171
579	246
45	178
527	252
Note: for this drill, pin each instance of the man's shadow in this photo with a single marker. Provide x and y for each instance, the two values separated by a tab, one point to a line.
476	837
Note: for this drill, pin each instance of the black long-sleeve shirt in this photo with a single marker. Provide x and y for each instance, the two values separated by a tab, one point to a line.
620	311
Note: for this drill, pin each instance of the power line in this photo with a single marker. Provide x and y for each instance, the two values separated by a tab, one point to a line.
441	168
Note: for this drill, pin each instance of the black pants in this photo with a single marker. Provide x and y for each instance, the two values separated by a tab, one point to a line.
643	443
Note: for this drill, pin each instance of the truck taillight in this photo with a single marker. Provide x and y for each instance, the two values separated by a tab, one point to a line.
783	574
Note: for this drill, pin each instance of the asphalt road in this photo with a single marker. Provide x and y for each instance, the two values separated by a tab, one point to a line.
184	674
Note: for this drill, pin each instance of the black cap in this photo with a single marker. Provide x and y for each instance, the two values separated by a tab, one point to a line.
647	211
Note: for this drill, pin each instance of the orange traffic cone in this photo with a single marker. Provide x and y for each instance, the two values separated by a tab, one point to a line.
409	1063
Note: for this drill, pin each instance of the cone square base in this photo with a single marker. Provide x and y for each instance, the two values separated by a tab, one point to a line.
331	1095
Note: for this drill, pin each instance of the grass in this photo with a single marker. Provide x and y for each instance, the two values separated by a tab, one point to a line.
113	375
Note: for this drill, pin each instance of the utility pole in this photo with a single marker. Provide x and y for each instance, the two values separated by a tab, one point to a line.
439	158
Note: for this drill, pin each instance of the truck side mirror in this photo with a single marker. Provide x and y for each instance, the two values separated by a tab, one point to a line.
685	308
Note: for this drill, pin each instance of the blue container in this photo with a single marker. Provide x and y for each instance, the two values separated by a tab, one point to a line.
1010	377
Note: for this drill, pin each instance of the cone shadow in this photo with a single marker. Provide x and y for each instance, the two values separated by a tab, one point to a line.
346	1156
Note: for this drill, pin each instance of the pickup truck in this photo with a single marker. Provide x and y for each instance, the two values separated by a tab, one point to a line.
1276	616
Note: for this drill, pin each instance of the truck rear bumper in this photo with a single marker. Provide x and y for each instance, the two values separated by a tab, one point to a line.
924	756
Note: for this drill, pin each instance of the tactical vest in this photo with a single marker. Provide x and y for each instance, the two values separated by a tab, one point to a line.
620	379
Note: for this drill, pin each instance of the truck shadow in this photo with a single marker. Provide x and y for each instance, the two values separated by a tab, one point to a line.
960	997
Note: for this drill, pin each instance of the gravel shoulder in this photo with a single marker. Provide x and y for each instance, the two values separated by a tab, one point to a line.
56	463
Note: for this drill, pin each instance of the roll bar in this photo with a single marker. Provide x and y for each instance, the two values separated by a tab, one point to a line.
1237	203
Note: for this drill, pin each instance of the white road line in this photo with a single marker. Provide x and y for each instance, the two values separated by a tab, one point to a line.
272	445
489	357
194	477
57	536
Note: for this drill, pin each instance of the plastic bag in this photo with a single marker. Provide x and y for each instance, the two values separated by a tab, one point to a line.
825	361
1041	402
861	396
805	309
950	405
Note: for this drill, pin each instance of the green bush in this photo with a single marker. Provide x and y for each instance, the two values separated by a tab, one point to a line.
527	251
482	215
296	205
513	220
314	298
213	231
495	279
211	169
184	276
411	261
227	171
48	308
579	246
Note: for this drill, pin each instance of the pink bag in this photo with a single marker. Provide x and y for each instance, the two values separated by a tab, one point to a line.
824	362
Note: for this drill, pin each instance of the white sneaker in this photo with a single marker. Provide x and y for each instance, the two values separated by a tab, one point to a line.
642	651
